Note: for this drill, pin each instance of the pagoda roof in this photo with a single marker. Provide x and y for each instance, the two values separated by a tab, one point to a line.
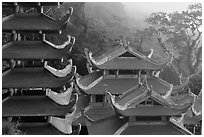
126	58
170	75
34	22
30	4
152	128
128	104
81	104
94	84
192	120
33	50
99	113
39	129
194	114
33	78
34	106
106	126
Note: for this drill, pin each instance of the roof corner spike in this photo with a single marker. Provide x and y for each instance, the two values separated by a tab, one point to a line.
66	18
86	52
58	5
62	46
151	53
72	41
184	83
59	73
105	87
70	11
63	124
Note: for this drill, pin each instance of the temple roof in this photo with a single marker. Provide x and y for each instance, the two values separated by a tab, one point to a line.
99	113
33	78
39	129
82	102
34	22
152	111
152	128
194	114
94	84
125	58
128	104
170	75
34	106
31	4
33	50
192	120
106	126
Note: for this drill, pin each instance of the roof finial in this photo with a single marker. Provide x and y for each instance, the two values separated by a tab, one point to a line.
151	53
124	42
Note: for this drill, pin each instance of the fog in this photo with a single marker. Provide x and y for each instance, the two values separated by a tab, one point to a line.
140	10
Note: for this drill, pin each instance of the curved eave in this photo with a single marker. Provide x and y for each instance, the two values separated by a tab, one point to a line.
33	78
87	82
197	106
81	104
118	85
61	98
186	100
168	106
192	120
153	128
107	126
33	22
158	85
128	63
151	111
34	106
115	86
98	113
178	88
39	129
162	64
134	95
108	55
33	50
136	53
112	54
105	57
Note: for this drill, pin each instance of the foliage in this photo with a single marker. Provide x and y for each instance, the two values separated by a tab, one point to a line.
182	32
179	33
10	128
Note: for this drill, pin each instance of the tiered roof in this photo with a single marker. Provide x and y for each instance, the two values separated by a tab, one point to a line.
117	59
93	84
31	4
34	50
44	128
159	128
128	104
38	77
129	96
34	22
34	106
33	78
97	113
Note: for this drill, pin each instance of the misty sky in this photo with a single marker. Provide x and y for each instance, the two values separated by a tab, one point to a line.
149	7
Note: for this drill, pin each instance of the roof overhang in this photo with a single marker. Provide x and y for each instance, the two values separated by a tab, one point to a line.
34	78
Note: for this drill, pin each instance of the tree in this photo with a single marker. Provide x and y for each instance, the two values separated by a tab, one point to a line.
182	32
179	33
10	128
